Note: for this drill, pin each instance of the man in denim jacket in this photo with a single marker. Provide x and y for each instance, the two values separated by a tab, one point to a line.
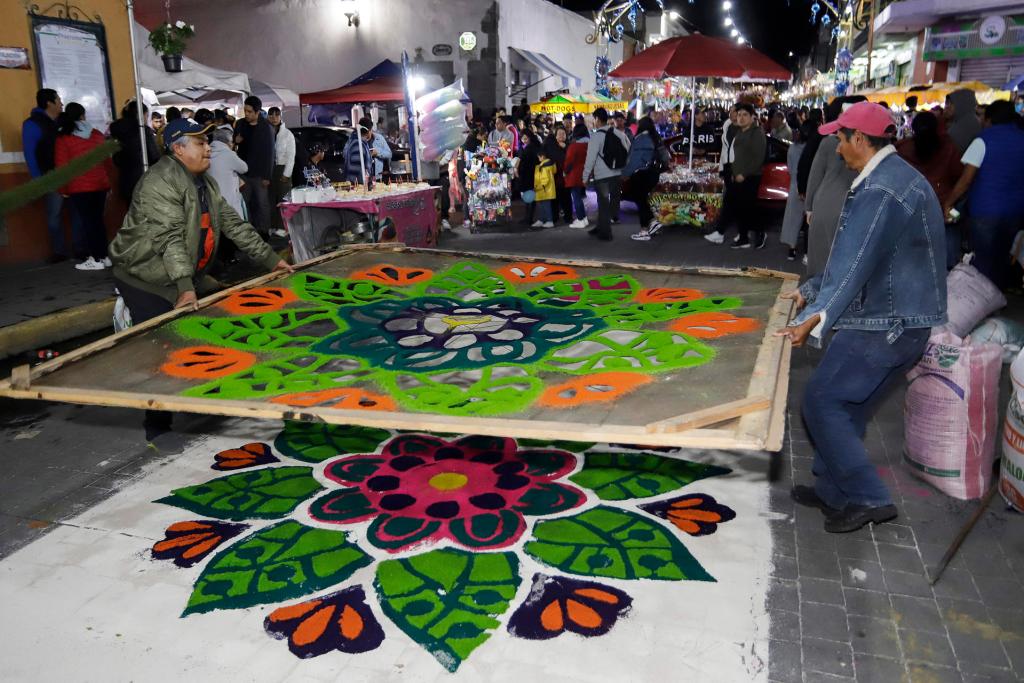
883	290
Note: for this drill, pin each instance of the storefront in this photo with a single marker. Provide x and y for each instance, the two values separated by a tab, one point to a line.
988	49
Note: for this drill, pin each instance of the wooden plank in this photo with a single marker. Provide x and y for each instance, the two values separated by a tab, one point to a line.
110	341
735	431
21	377
693	438
767	369
710	416
777	422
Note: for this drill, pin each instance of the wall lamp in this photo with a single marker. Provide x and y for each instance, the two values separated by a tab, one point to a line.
351	12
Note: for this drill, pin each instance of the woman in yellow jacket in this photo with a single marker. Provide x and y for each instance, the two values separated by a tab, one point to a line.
544	186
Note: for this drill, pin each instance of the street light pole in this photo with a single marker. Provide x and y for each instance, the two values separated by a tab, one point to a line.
140	115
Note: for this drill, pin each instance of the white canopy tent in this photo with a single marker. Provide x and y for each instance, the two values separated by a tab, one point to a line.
193	75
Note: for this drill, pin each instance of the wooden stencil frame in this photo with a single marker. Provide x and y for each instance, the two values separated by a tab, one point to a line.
755	422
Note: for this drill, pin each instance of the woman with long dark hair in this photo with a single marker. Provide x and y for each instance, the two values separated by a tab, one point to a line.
557	146
575	160
88	192
647	156
932	152
528	161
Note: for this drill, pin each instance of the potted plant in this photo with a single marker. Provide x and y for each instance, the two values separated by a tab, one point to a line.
169	40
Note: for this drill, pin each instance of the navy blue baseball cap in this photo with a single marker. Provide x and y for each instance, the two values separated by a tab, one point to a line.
176	130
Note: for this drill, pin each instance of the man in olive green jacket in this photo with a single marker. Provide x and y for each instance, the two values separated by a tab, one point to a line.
169	238
749	147
172	229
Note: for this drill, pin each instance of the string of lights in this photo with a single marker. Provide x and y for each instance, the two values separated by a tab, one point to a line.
730	23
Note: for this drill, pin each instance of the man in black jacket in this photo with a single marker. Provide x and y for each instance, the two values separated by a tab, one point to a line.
129	159
255	139
38	137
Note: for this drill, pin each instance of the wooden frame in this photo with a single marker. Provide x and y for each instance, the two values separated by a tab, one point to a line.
755	422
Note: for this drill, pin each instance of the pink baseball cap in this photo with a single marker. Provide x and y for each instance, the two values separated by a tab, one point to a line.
867	117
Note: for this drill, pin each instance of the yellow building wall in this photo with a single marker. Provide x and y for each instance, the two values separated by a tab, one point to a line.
26	234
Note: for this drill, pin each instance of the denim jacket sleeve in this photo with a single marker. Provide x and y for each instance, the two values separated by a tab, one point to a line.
867	233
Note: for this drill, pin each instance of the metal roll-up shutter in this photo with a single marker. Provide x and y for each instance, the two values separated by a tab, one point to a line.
993	71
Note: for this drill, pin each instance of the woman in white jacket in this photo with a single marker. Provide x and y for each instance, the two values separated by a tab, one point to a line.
226	167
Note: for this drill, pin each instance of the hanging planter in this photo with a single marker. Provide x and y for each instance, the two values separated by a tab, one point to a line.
170	41
172	63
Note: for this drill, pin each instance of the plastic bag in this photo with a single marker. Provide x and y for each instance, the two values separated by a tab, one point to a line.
971	297
448	110
1006	333
950	415
432	100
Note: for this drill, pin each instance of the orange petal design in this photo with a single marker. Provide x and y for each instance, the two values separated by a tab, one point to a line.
388	274
350	623
695	515
596	594
582	615
206	362
313	626
187	526
293	611
667	295
524	271
258	300
179	541
604	386
345	399
200	548
713	324
685	525
551	618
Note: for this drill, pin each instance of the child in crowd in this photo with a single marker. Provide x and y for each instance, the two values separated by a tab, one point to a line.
544	186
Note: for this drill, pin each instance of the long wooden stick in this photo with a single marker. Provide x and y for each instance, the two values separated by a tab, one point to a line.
964	531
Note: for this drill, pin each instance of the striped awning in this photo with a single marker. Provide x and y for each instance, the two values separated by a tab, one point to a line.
545	63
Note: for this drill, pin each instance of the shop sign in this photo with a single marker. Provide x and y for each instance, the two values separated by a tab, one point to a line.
992	36
441	50
13	58
467	41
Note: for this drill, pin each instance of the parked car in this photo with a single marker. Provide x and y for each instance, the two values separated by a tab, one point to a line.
333	139
774	174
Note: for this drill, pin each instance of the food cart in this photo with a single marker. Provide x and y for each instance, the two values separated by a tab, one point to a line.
689	196
489	173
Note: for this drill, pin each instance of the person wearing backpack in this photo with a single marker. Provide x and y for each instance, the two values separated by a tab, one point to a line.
647	158
607	153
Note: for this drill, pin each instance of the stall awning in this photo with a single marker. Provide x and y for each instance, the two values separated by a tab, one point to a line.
545	63
386	89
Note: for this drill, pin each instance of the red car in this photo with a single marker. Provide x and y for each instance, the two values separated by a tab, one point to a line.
774	174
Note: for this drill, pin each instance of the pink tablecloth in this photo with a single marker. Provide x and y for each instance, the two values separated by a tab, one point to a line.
413	213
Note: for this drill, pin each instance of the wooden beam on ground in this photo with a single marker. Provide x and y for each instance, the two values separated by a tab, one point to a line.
710	416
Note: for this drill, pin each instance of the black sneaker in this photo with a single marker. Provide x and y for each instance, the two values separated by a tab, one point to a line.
853	517
791	256
604	236
761	242
806	496
745	244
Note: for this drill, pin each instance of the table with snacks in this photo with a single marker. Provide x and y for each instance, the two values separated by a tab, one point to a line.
686	196
322	218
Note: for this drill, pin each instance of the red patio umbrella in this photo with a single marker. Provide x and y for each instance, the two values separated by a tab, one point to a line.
700	56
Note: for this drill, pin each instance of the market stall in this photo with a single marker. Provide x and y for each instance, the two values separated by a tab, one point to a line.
489	173
689	196
577	104
322	217
934	94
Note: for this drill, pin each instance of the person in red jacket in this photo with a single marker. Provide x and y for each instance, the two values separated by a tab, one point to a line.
575	160
88	192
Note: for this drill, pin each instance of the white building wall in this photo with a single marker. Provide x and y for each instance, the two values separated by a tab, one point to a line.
307	45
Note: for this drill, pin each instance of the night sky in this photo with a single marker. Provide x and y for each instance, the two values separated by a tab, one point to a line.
775	27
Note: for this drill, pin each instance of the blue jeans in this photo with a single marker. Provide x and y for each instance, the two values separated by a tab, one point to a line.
55	224
991	240
544	210
579	209
837	405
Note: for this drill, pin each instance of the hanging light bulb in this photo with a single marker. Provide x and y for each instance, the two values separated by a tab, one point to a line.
728	21
734	33
741	40
727	5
